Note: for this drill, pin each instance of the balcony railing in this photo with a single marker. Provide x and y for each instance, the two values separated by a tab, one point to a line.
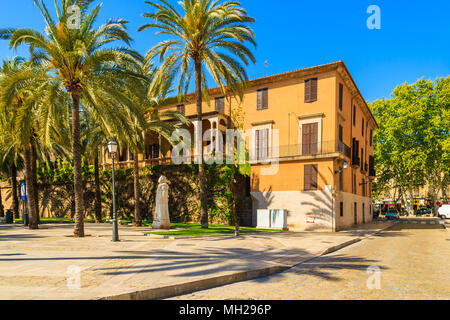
298	150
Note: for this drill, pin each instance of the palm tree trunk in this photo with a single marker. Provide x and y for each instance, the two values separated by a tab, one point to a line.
77	176
29	183
34	186
98	195
15	198
201	168
2	208
137	192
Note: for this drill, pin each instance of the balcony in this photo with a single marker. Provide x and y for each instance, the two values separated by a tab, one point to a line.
302	150
364	167
372	172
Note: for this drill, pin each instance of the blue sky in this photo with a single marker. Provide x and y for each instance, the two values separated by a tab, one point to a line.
414	40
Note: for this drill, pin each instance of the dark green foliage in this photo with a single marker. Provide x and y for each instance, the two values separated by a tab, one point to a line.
56	191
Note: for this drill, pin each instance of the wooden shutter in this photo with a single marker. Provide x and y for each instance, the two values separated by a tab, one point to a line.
259	100
262	141
263	99
313	90
306	142
310	139
314	173
341	96
257	144
310	180
307	184
220	104
310	90
307	91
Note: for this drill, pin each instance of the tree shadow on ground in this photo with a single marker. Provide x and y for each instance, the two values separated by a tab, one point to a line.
325	267
19	237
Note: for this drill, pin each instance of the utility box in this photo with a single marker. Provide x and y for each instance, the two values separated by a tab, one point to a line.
272	219
263	219
278	219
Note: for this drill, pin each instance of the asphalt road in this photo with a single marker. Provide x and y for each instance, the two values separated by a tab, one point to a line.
409	261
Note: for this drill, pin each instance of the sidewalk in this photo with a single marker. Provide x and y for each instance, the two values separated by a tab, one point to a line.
35	264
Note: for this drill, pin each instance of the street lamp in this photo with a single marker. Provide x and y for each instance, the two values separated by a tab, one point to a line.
112	147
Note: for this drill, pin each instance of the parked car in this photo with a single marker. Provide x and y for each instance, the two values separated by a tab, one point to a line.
444	212
423	212
392	214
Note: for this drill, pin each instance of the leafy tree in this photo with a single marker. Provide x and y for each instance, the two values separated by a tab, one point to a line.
82	60
204	36
411	146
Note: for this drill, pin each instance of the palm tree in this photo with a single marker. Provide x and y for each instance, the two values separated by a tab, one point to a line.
147	98
82	60
209	35
27	101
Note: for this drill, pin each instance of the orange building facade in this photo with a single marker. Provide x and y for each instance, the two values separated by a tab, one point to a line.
315	128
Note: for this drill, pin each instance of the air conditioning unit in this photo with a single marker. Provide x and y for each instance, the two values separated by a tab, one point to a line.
272	219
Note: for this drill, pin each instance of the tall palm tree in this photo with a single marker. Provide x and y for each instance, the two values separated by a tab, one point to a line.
209	35
27	102
147	98
12	161
82	60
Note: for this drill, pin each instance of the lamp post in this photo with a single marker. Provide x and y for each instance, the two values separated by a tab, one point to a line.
112	148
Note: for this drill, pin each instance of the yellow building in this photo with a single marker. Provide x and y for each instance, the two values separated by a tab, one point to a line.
315	122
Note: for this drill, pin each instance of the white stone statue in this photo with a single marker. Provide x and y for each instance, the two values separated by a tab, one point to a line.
162	218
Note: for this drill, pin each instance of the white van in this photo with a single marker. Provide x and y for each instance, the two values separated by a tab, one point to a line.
444	212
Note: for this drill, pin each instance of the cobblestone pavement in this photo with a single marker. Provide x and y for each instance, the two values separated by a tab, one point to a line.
412	258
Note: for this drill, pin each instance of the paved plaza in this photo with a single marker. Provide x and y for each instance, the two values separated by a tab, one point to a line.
50	264
407	262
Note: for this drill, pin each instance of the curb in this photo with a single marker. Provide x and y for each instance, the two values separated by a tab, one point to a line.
204	284
341	246
160	236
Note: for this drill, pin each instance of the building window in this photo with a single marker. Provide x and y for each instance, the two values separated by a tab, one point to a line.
354	184
153	152
354	116
341	96
262	144
310	90
341	134
220	104
363	184
356	213
263	99
310	139
362	159
181	109
371	137
341	181
363	127
123	155
311	171
341	209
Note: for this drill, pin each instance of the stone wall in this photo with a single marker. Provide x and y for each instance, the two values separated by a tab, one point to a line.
56	199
